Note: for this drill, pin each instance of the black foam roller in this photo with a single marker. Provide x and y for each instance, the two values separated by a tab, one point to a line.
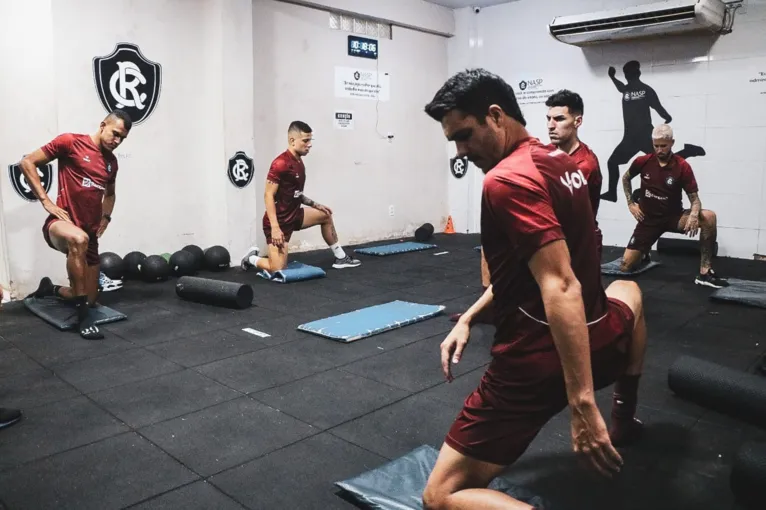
725	390
214	292
748	475
424	232
676	246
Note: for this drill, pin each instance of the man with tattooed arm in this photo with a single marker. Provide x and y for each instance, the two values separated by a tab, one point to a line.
663	176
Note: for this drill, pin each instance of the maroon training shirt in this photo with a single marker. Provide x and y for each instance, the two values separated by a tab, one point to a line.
661	187
290	174
535	196
84	172
588	162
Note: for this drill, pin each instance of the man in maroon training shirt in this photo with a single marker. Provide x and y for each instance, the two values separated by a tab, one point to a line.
87	173
284	212
565	115
560	336
663	176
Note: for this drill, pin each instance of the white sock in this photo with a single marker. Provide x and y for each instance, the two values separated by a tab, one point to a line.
338	251
253	259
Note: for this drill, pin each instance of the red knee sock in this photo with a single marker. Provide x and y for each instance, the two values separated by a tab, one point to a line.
625	427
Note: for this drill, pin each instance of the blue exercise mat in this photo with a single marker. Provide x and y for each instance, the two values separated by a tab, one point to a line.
746	292
399	484
294	272
392	249
613	268
372	320
63	314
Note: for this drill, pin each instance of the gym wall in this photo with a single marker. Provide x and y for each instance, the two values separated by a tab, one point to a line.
172	186
359	173
707	85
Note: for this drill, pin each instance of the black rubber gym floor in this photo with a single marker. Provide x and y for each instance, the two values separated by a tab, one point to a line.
180	408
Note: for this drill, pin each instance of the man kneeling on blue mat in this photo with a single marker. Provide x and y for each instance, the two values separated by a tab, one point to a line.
284	212
560	335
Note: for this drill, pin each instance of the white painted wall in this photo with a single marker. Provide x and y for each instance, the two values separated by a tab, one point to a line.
705	84
172	188
358	173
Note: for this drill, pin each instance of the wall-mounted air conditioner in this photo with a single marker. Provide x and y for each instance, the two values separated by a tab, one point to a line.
649	20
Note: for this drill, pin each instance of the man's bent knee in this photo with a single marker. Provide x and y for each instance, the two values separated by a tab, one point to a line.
708	217
629	293
78	242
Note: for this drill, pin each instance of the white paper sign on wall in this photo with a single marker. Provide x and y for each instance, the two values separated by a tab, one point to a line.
355	83
534	90
344	119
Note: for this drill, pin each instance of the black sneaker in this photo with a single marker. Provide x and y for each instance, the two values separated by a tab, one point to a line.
345	262
45	289
710	279
8	417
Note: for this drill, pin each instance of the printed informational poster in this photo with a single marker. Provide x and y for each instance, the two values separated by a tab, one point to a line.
354	83
759	80
344	119
533	91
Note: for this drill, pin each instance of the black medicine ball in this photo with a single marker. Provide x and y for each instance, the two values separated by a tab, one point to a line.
132	264
112	265
155	269
183	263
199	255
217	258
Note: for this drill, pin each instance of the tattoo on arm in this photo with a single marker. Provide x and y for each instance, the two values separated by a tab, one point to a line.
307	201
628	187
696	204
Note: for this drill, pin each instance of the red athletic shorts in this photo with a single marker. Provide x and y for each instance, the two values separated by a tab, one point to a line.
519	394
287	227
648	231
91	256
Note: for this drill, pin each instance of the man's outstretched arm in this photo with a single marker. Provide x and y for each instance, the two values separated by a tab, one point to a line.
617	83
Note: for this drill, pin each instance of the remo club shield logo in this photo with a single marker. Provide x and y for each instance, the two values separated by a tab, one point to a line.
127	80
23	188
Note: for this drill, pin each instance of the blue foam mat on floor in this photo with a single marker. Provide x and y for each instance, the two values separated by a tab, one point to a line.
294	272
63	315
394	248
613	268
399	484
373	320
747	292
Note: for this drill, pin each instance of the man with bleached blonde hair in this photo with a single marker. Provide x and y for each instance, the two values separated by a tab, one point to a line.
660	207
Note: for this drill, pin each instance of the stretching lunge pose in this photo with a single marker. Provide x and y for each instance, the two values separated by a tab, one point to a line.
560	336
87	173
565	115
638	101
663	176
284	214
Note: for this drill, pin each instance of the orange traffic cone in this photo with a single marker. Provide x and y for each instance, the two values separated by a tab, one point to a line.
450	228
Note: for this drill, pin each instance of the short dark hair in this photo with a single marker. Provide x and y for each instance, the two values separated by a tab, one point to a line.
120	115
571	100
473	91
299	126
